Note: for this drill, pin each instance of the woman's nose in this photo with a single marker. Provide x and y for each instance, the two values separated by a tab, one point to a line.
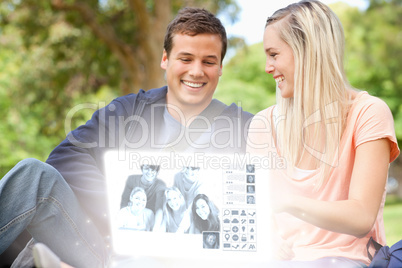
269	68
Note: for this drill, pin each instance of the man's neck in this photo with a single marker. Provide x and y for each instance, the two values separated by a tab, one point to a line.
185	114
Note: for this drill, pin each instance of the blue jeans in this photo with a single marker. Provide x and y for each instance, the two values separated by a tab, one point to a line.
34	196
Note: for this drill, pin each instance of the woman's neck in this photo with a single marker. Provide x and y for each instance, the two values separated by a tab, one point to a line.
135	212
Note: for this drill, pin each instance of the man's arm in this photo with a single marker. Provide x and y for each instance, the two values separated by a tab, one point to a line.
79	158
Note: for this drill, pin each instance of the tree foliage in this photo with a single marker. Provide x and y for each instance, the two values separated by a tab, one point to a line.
245	82
92	43
374	51
56	55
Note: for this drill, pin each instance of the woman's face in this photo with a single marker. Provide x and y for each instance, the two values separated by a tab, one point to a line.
148	173
211	239
138	201
174	200
280	61
202	209
250	168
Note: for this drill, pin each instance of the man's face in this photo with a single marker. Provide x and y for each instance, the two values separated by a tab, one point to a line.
192	69
148	173
191	173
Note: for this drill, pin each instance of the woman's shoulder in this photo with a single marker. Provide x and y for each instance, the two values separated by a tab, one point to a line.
148	212
124	210
260	131
267	111
263	117
363	100
366	108
370	118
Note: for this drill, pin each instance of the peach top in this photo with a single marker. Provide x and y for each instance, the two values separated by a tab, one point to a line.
369	119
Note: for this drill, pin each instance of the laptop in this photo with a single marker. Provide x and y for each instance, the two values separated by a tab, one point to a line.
233	192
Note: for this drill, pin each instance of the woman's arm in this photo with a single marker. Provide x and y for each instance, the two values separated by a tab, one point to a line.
185	223
357	214
159	222
150	219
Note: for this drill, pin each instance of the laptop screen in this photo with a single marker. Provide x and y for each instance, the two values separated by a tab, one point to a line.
189	206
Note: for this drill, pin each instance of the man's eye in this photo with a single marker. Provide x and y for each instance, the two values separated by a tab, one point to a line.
209	63
185	60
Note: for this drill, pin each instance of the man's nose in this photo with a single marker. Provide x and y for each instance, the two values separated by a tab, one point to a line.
197	70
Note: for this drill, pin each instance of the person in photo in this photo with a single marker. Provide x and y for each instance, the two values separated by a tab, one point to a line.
135	216
250	178
250	189
188	182
250	168
205	215
211	240
149	181
174	217
250	199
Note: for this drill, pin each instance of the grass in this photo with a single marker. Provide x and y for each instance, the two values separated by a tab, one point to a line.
393	219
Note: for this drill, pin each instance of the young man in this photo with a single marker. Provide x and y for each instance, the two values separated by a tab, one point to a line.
149	181
63	203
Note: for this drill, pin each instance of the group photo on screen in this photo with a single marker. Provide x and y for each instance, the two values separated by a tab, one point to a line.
170	201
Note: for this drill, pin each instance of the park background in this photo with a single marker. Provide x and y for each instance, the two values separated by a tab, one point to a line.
61	59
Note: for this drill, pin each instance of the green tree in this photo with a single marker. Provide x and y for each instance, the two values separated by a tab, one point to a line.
245	82
95	42
57	55
374	51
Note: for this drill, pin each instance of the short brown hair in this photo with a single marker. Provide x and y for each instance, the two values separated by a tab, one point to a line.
193	21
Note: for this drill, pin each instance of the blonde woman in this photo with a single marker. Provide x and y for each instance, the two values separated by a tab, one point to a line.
174	216
136	216
337	143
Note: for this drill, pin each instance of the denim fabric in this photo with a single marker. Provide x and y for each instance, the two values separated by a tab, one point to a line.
34	196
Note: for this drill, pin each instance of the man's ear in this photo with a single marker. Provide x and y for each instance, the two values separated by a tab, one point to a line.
220	70
164	61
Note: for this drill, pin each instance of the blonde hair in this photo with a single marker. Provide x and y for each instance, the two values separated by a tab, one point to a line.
316	38
134	191
167	210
